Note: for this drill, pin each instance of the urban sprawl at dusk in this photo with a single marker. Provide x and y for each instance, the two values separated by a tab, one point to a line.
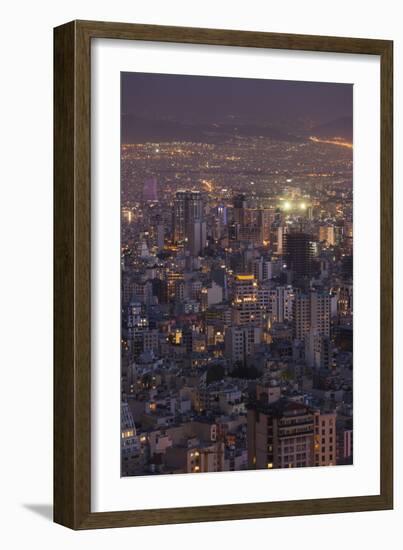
236	275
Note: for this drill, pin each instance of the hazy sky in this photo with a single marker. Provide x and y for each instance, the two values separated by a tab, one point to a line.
206	99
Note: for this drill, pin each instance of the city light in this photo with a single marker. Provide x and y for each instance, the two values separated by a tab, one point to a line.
236	258
245	277
335	141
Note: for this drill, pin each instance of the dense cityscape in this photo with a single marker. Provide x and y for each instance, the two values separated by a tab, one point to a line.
237	301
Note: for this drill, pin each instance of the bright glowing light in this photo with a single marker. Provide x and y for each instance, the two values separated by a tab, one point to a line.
302	206
245	277
336	141
208	185
157	150
287	205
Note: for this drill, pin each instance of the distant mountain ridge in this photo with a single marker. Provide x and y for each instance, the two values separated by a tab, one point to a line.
141	130
341	127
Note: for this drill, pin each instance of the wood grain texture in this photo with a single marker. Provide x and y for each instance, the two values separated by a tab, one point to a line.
386	282
72	216
72	274
64	344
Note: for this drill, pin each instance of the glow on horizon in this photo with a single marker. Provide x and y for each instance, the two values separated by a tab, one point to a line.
335	141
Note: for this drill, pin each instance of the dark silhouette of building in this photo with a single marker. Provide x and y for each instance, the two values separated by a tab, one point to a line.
347	267
239	209
298	254
160	290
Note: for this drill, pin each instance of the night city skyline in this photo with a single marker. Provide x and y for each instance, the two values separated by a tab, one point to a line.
236	274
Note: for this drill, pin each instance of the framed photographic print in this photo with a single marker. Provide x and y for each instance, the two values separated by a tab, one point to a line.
223	275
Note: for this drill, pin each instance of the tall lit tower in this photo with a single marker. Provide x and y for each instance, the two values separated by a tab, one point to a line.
189	224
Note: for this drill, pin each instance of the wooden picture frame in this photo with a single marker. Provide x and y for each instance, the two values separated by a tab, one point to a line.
72	269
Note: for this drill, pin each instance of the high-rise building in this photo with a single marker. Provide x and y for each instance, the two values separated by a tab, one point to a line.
151	340
179	215
249	223
240	342
245	288
301	315
280	434
264	269
239	206
345	299
298	254
318	350
222	214
130	447
245	305
277	303
283	433
266	217
280	239
160	236
150	189
325	443
197	237
345	442
160	290
327	234
311	312
347	267
137	323
189	224
320	312
211	295
285	301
